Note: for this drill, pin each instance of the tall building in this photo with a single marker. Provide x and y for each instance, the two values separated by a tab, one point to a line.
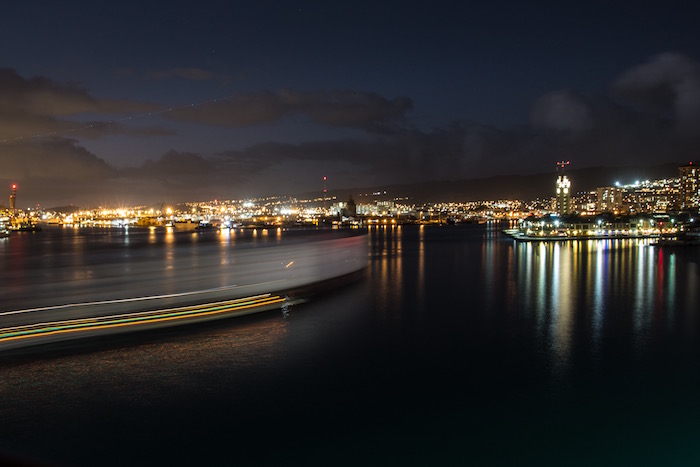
563	189
13	197
609	199
690	185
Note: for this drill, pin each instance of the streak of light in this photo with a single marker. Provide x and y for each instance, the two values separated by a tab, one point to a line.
127	300
138	318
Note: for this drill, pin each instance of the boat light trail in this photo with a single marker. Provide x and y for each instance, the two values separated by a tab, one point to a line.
209	310
134	299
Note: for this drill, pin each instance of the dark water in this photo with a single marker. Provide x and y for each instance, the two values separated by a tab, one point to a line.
457	347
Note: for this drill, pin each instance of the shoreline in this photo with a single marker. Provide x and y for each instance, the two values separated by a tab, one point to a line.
515	234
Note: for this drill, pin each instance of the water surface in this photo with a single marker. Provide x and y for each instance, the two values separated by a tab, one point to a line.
458	346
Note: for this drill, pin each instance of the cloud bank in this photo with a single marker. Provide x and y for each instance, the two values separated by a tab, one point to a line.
650	114
39	106
667	85
339	108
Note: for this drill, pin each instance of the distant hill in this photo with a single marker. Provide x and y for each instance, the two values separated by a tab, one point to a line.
65	209
525	187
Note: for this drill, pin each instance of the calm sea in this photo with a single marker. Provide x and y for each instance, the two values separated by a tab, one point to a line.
457	346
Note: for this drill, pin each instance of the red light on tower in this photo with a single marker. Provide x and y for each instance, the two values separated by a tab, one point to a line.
13	197
561	165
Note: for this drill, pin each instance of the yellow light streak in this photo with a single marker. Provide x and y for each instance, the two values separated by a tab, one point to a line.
136	319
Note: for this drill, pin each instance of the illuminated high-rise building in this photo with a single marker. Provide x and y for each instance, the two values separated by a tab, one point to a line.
13	196
609	199
690	185
563	189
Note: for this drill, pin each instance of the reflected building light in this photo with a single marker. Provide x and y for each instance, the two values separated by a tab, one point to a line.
562	304
421	263
383	279
487	254
598	295
511	272
398	272
670	291
640	287
659	278
396	232
541	299
691	297
525	271
648	289
556	272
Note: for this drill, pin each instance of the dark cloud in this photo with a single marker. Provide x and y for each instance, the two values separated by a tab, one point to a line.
338	108
588	130
406	156
186	176
58	171
53	171
179	168
562	111
40	106
595	131
635	124
651	116
41	96
667	84
52	159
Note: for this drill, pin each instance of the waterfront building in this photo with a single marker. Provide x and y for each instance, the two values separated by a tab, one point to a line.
366	209
378	208
386	208
689	185
584	203
337	208
609	199
657	196
601	227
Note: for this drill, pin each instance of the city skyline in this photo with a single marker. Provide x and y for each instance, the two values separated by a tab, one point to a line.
664	198
173	103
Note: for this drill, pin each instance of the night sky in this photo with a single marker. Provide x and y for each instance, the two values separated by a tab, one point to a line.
118	103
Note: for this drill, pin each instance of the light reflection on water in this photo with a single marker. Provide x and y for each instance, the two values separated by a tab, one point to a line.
582	296
386	268
562	302
564	290
420	285
598	287
451	319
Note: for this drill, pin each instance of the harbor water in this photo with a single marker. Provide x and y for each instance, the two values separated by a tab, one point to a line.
456	346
